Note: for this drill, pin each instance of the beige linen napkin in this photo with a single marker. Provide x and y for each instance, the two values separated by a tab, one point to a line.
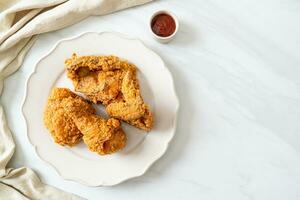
20	21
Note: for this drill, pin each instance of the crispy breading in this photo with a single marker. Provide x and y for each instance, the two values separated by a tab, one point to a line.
112	82
70	118
98	77
100	135
131	108
58	122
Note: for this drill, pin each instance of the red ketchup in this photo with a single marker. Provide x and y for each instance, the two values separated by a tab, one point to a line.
163	25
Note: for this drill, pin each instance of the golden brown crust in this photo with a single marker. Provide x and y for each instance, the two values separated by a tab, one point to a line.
131	108
145	122
70	118
98	77
112	82
100	135
58	122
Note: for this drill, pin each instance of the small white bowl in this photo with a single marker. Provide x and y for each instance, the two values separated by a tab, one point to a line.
168	38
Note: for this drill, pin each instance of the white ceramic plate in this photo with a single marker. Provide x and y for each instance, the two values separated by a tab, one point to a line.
142	149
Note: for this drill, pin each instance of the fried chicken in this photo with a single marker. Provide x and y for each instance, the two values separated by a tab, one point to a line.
112	82
131	107
98	77
100	135
58	122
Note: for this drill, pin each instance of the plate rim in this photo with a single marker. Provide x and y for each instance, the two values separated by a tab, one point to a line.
122	36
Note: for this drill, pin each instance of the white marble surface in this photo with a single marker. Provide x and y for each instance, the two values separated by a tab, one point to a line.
236	66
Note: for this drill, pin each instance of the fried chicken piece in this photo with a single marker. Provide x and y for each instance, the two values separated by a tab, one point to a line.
58	122
70	117
98	77
112	82
100	135
131	108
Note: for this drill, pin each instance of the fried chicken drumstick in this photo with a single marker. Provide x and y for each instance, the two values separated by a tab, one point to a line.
112	82
100	135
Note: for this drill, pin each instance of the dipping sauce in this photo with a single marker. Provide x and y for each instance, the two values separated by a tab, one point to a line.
163	25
